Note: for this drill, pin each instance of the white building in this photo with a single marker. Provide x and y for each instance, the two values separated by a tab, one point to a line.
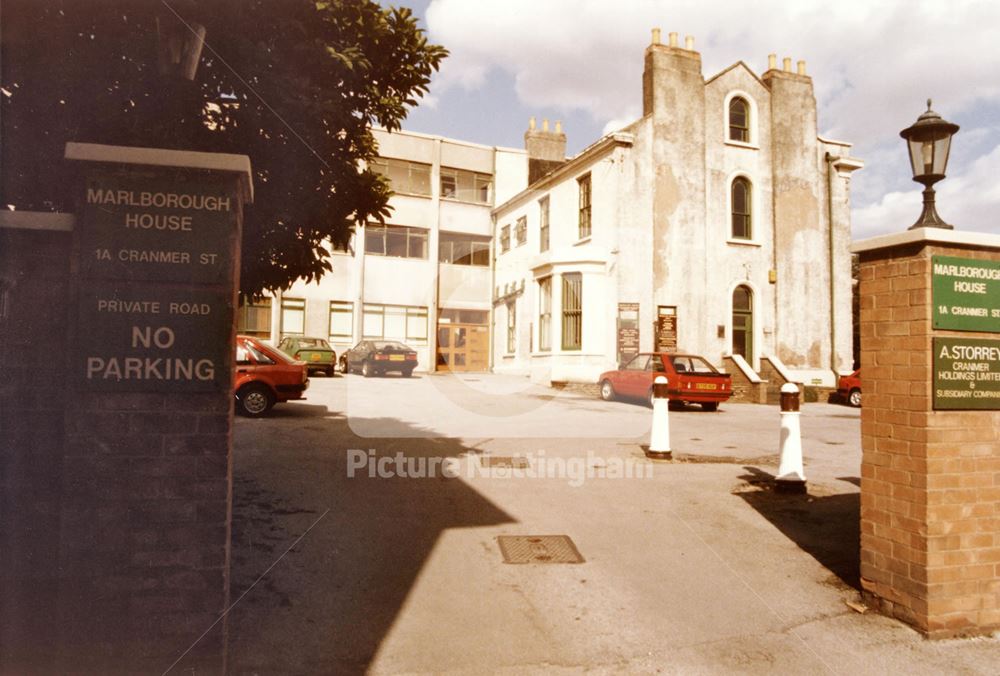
424	278
718	223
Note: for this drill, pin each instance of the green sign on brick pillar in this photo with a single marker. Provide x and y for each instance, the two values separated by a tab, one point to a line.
966	294
966	373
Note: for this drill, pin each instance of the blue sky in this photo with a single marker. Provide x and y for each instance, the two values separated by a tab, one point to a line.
873	65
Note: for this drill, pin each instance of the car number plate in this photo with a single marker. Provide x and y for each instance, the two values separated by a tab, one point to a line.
315	357
395	357
705	386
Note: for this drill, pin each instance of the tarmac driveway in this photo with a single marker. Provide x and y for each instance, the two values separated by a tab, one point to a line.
354	551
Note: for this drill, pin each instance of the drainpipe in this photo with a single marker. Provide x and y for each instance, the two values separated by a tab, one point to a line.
830	174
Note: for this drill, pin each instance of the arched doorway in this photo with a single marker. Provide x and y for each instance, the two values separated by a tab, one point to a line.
743	323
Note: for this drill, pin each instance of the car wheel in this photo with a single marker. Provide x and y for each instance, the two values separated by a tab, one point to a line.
366	369
254	400
407	373
854	398
607	391
650	398
710	406
330	371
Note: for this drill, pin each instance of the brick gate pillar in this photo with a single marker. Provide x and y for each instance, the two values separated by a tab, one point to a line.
146	469
930	429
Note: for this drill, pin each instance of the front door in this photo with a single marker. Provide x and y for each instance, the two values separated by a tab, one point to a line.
743	323
463	347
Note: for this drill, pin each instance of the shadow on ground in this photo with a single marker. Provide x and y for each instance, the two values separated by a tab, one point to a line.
828	527
325	604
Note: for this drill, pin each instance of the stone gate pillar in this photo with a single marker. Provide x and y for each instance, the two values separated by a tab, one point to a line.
930	429
146	468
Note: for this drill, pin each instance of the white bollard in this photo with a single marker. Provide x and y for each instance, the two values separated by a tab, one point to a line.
659	437
791	477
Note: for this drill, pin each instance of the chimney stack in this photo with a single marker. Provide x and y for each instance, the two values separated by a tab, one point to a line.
546	149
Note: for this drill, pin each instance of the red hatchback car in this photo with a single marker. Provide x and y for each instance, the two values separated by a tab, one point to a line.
849	388
265	376
689	379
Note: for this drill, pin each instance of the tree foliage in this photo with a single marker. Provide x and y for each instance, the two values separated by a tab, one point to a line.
294	84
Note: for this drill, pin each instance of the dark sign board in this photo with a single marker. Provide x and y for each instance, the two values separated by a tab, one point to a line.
154	228
149	338
628	331
966	294
666	330
966	373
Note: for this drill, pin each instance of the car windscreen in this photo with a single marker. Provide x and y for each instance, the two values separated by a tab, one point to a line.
691	364
317	343
388	345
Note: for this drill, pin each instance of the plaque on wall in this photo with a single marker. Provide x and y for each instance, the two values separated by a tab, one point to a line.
628	331
966	374
966	294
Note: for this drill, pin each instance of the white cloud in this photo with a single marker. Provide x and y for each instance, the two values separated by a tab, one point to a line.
873	63
967	200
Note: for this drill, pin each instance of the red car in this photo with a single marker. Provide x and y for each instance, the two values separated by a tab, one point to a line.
849	388
689	379
265	376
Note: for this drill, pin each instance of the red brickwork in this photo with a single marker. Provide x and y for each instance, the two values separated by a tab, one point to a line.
930	480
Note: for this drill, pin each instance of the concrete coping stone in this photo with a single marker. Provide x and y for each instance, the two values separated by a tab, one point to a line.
160	157
37	220
927	236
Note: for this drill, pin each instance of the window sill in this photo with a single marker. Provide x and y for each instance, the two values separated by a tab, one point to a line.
741	144
399	258
744	242
585	240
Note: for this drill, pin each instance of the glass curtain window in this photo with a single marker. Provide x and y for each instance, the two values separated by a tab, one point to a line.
293	317
341	320
739	120
741	204
405	177
398	322
395	240
464	185
572	311
459	249
545	314
584	189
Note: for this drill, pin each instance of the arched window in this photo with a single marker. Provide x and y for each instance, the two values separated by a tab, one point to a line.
739	120
743	322
741	203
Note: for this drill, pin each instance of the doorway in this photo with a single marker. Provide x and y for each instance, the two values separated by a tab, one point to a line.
743	323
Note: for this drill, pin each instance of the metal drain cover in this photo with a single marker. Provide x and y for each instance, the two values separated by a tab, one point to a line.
538	549
513	462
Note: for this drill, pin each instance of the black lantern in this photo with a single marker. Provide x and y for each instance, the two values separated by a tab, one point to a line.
179	42
929	141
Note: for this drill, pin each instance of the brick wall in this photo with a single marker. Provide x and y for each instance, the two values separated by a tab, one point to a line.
930	480
34	279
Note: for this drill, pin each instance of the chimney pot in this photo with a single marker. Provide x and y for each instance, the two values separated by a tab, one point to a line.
772	61
545	124
558	126
673	39
531	123
656	36
802	67
689	43
786	64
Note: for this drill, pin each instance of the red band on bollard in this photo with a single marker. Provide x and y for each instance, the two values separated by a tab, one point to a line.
660	390
789	402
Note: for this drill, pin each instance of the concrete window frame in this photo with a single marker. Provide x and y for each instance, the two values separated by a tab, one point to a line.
754	239
752	143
